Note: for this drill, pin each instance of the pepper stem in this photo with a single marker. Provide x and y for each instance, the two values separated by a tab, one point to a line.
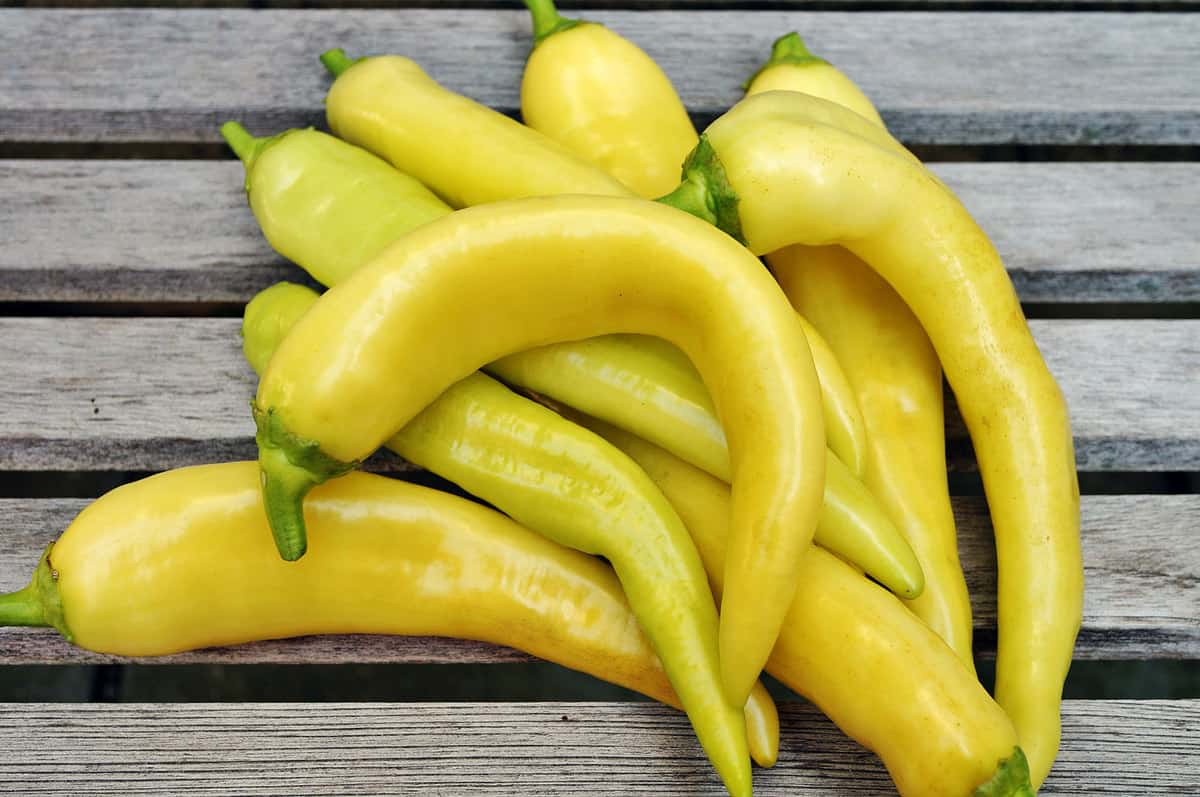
547	21
1011	778
787	49
706	193
284	486
337	62
23	607
244	145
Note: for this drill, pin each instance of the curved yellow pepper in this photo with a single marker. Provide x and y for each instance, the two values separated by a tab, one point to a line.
805	170
374	101
599	95
896	374
642	384
470	154
145	571
569	485
925	715
487	281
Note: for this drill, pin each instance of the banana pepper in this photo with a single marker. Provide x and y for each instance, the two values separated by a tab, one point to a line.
895	372
146	571
784	168
599	95
929	720
571	486
487	281
640	383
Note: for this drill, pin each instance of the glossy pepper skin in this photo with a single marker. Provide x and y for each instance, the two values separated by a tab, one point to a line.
642	384
934	726
896	376
389	106
470	154
574	488
145	571
807	171
487	281
599	95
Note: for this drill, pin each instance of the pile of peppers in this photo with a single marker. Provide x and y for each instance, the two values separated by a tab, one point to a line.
703	465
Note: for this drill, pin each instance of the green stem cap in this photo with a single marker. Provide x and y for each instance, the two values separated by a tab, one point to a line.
706	193
38	603
337	62
547	21
290	466
787	49
1011	779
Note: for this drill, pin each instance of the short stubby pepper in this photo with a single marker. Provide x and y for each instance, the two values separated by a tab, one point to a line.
925	715
599	95
784	168
146	571
487	281
897	379
571	486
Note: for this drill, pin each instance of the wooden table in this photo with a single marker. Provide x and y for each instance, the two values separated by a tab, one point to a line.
128	253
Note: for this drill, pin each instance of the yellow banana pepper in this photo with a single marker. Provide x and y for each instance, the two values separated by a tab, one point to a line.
784	168
929	720
374	101
145	571
470	154
569	485
896	374
599	95
487	281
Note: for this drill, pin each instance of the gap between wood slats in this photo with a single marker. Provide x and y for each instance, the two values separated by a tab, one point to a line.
1033	311
929	153
650	5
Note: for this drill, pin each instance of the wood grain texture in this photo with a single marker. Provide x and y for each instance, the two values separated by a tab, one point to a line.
1109	747
1140	562
156	393
129	231
939	78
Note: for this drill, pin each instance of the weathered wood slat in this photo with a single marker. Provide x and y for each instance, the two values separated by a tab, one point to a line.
1118	747
940	78
180	231
1139	556
154	393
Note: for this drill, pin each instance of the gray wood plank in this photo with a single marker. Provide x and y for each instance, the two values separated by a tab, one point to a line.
128	231
1109	747
940	78
155	393
1140	559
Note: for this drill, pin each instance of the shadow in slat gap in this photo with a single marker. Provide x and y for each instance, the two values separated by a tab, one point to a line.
536	681
93	484
648	5
930	153
1034	310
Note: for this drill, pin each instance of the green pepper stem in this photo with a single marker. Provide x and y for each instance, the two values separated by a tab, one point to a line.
690	196
337	62
1010	780
23	607
787	49
706	193
547	21
284	486
244	145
